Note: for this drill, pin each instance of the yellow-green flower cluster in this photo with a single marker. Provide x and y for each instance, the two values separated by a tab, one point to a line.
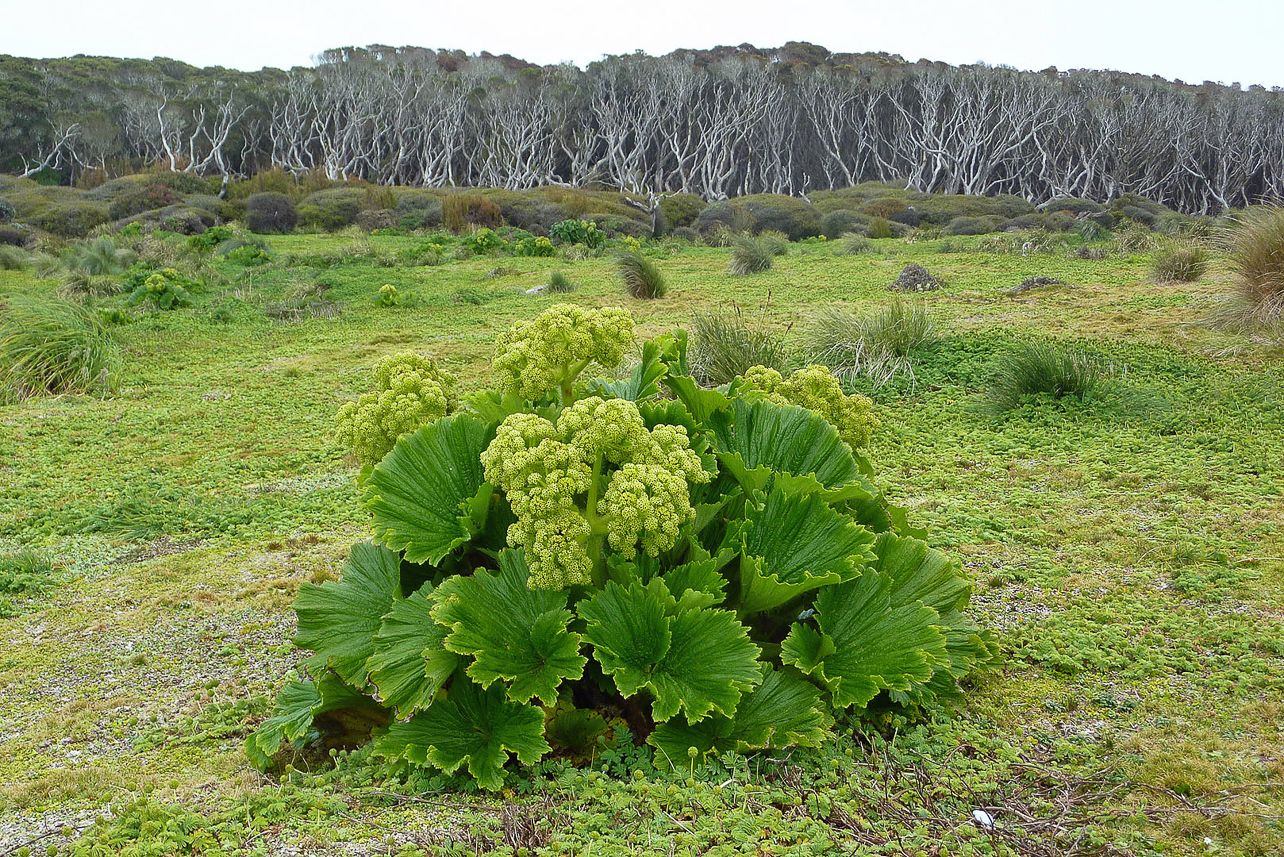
816	389
597	474
551	350
410	391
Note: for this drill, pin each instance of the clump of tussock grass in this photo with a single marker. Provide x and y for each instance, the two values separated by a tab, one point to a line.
726	342
751	255
79	286
877	345
1179	263
559	283
853	244
1254	246
642	278
13	258
24	573
1039	369
775	241
100	257
54	346
1135	238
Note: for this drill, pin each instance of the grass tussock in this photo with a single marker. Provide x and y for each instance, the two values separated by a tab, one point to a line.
877	345
727	342
1049	370
13	258
852	244
1179	263
100	257
559	284
1254	245
752	255
642	278
54	346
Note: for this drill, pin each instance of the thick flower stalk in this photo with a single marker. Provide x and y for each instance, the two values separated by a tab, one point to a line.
816	389
596	478
410	391
549	352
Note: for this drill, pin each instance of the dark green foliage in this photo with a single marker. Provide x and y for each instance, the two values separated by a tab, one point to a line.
578	232
418	209
835	224
71	218
796	218
482	241
642	278
752	255
270	213
148	197
1045	370
681	209
210	238
879	227
533	246
12	236
163	289
1179	263
7	212
245	249
729	215
331	209
54	346
1091	230
972	225
727	343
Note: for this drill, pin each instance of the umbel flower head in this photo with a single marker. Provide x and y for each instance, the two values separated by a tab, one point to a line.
410	391
550	351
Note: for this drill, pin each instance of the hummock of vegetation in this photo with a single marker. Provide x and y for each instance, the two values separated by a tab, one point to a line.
641	276
1046	370
54	346
1121	545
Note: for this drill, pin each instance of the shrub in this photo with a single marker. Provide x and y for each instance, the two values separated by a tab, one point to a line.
685	233
331	209
838	223
148	197
605	557
726	215
578	232
245	250
751	256
681	209
1074	205
726	343
459	211
796	218
1049	370
7	212
372	220
1134	238
418	209
54	346
884	207
12	236
71	218
184	219
972	225
1091	230
13	258
270	213
559	283
1137	215
1254	245
642	279
1179	263
876	345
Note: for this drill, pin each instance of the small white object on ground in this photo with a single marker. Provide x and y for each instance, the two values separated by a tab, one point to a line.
982	818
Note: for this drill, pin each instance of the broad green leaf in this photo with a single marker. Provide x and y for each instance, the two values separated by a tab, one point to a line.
410	663
864	645
696	584
643	381
472	726
794	544
428	496
338	621
784	710
629	630
920	573
574	729
701	403
513	632
784	438
692	659
299	704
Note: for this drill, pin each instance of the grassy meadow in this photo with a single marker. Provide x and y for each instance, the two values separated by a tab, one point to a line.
1126	549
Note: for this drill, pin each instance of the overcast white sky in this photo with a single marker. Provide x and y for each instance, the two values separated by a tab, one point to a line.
1195	40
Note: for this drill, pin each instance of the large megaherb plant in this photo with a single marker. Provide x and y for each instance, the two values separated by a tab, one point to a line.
713	568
